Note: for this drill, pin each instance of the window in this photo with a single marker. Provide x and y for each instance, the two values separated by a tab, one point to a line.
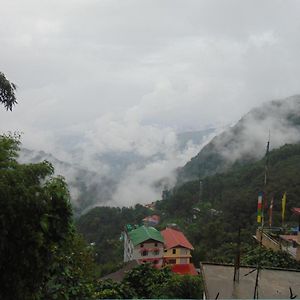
172	261
142	245
174	251
155	245
155	262
166	250
145	253
156	252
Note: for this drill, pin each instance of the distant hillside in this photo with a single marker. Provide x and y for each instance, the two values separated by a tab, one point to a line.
246	141
86	187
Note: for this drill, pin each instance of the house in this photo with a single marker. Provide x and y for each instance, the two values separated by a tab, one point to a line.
177	252
144	244
177	247
272	283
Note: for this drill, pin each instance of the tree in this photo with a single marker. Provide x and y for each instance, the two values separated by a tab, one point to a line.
7	92
35	219
72	272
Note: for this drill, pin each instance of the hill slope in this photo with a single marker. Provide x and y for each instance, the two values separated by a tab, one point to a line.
246	141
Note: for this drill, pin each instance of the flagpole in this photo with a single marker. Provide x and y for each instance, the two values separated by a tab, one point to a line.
255	295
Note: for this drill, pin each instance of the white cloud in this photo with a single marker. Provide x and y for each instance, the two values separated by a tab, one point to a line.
126	75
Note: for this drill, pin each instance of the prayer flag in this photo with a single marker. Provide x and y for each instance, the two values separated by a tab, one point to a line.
259	207
271	212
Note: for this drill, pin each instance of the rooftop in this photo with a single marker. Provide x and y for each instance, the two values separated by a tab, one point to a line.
144	233
175	238
184	269
289	238
273	283
119	275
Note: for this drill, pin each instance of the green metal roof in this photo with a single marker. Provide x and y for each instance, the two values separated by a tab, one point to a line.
143	234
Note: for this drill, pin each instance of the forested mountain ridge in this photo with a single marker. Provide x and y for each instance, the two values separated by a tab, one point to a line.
210	220
246	141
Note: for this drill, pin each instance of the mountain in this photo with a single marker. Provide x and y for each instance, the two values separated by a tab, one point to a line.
246	141
86	187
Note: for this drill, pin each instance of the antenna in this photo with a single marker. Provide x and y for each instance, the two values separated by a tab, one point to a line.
237	260
267	158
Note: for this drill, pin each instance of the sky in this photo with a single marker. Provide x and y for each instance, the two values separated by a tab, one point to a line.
119	72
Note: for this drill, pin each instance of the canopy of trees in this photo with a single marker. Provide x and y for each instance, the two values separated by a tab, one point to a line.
38	245
7	92
146	282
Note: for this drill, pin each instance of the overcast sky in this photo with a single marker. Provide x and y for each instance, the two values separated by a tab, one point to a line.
171	64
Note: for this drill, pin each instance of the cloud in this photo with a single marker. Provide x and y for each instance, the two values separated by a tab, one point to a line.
249	137
128	75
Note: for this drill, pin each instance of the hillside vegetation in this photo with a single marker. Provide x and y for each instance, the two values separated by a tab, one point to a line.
210	219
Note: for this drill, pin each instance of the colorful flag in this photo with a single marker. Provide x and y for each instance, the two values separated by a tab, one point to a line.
283	204
259	207
271	212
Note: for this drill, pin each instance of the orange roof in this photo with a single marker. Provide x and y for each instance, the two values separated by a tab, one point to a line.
184	269
175	238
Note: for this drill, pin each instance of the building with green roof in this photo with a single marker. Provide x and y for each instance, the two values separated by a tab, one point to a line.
144	244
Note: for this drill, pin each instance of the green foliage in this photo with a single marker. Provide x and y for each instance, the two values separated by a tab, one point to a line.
144	280
108	289
7	92
269	258
35	223
181	287
71	274
147	282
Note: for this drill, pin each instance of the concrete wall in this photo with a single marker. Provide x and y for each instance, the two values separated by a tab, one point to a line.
128	248
267	241
155	252
181	255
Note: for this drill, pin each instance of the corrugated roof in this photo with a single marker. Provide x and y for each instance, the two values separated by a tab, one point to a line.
184	269
143	234
174	238
119	275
